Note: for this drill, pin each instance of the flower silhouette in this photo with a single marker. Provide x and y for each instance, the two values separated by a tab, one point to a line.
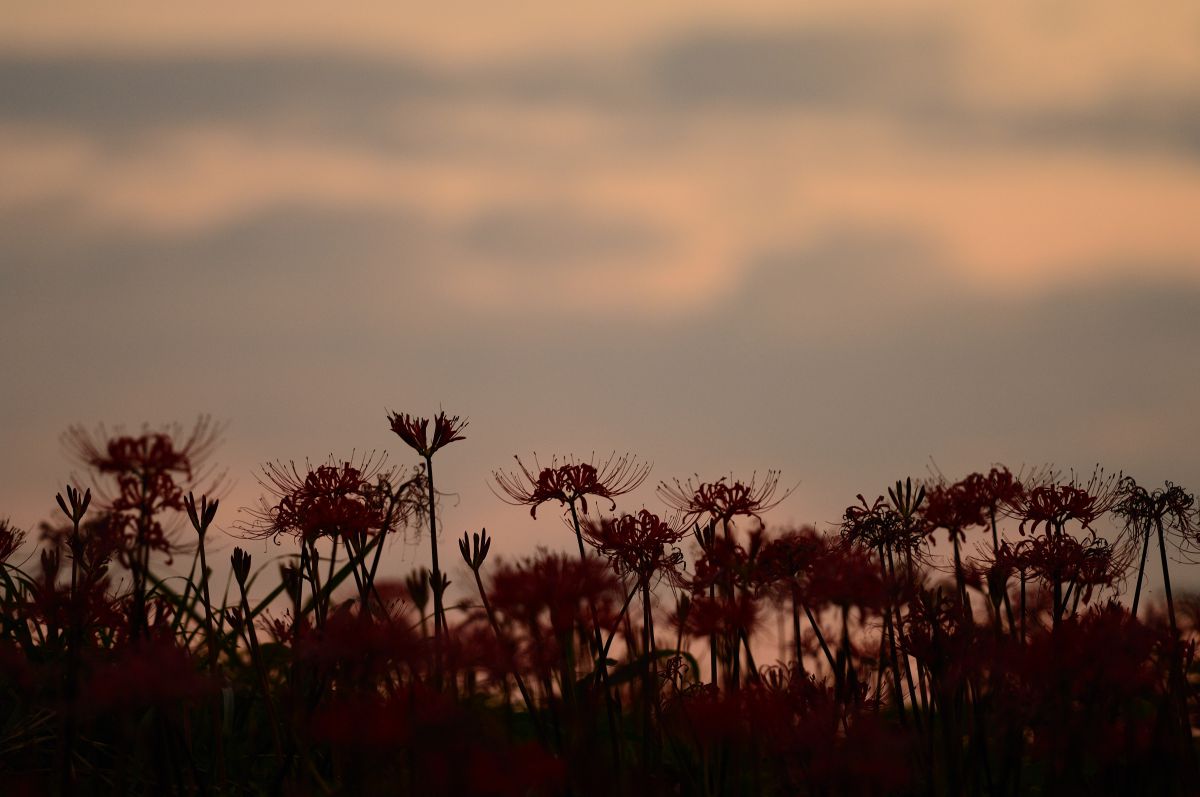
723	499
570	481
326	500
414	431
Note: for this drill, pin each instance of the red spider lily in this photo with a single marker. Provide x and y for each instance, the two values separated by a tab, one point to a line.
954	507
152	471
877	524
845	576
49	602
1053	505
540	602
329	500
1171	504
989	574
940	634
1088	686
723	499
552	585
724	564
570	480
788	560
722	617
154	463
1063	559
995	488
641	544
414	431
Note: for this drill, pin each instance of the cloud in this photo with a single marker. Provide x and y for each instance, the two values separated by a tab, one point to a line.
856	278
910	76
556	236
820	67
124	94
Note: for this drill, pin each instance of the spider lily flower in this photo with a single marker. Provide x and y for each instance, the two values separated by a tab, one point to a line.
723	499
157	462
1170	505
1054	504
953	507
870	526
323	501
641	544
720	617
569	481
552	586
845	576
414	431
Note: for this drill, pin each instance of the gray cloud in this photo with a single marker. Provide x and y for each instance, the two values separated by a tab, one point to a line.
906	76
556	235
129	92
853	276
829	68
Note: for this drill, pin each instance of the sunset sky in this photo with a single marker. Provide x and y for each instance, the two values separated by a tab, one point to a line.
840	239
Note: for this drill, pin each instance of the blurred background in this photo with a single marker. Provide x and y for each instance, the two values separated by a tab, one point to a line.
845	240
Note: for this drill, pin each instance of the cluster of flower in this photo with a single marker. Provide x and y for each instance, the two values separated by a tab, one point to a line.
628	666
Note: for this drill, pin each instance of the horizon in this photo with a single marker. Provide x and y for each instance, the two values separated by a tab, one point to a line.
842	241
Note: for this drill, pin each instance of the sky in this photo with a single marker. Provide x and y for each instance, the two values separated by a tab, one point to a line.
846	240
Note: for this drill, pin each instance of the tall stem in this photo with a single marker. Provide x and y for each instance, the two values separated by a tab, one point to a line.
213	649
601	671
1137	591
436	576
1180	685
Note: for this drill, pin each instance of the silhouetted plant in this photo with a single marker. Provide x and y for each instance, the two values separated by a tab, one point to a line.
1024	674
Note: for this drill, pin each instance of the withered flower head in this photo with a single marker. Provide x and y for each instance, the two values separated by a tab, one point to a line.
415	431
570	480
1170	504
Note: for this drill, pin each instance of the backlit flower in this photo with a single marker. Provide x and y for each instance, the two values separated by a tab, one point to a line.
570	480
723	499
325	501
415	431
1053	505
642	544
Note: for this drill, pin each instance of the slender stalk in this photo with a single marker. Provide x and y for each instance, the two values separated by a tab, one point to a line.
1137	591
439	618
213	649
